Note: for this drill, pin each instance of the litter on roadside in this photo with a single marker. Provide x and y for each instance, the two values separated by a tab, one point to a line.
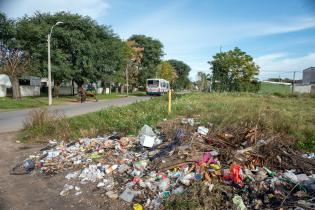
148	169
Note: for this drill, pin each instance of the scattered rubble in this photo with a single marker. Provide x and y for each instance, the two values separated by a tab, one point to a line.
259	171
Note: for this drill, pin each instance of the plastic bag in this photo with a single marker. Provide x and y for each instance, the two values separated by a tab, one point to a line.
235	173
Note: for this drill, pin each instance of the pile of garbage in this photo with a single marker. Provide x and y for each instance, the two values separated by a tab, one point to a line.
148	169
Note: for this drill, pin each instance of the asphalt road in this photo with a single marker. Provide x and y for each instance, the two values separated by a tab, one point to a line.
13	120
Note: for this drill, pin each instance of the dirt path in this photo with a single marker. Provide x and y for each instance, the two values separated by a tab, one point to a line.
36	191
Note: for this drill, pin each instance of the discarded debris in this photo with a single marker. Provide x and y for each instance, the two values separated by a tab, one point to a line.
148	169
203	130
190	121
28	165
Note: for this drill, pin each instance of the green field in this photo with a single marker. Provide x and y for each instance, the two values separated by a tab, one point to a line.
267	88
287	115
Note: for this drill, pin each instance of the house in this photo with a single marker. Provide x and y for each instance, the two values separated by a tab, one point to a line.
308	82
4	83
29	86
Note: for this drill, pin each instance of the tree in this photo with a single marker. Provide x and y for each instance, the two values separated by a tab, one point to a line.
133	54
233	71
13	60
166	71
82	50
203	81
182	72
152	54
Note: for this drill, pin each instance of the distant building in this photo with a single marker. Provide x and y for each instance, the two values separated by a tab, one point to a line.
309	76
308	82
29	86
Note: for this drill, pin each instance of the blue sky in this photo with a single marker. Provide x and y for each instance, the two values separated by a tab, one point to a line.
279	34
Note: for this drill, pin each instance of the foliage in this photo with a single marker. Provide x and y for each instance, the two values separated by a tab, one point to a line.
81	49
7	28
233	70
182	72
134	56
203	81
152	53
166	71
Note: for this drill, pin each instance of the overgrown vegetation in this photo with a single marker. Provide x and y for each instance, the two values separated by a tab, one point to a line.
292	116
45	122
197	197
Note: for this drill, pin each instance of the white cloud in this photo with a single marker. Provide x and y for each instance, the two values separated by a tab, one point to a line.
280	64
283	26
93	8
269	58
184	39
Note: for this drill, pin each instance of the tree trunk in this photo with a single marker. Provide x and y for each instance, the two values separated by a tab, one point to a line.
72	87
16	92
57	88
103	85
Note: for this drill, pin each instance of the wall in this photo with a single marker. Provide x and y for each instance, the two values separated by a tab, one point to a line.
304	89
3	90
30	90
4	80
99	90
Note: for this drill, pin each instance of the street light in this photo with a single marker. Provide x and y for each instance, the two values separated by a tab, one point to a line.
49	65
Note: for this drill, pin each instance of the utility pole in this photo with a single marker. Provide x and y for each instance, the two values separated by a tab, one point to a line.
49	65
49	73
293	81
127	78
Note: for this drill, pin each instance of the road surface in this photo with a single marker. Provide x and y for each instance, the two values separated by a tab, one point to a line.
13	120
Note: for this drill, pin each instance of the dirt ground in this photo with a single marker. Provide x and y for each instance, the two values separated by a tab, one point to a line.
37	191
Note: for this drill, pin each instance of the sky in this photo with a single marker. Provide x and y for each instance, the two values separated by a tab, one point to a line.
278	34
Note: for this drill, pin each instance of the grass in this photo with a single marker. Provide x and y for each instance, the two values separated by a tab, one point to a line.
291	115
9	104
268	88
197	196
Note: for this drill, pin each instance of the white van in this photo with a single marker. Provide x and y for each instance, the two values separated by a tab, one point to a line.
157	86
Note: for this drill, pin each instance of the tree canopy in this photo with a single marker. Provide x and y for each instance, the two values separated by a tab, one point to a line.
166	71
84	51
233	70
203	81
81	49
152	54
182	72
